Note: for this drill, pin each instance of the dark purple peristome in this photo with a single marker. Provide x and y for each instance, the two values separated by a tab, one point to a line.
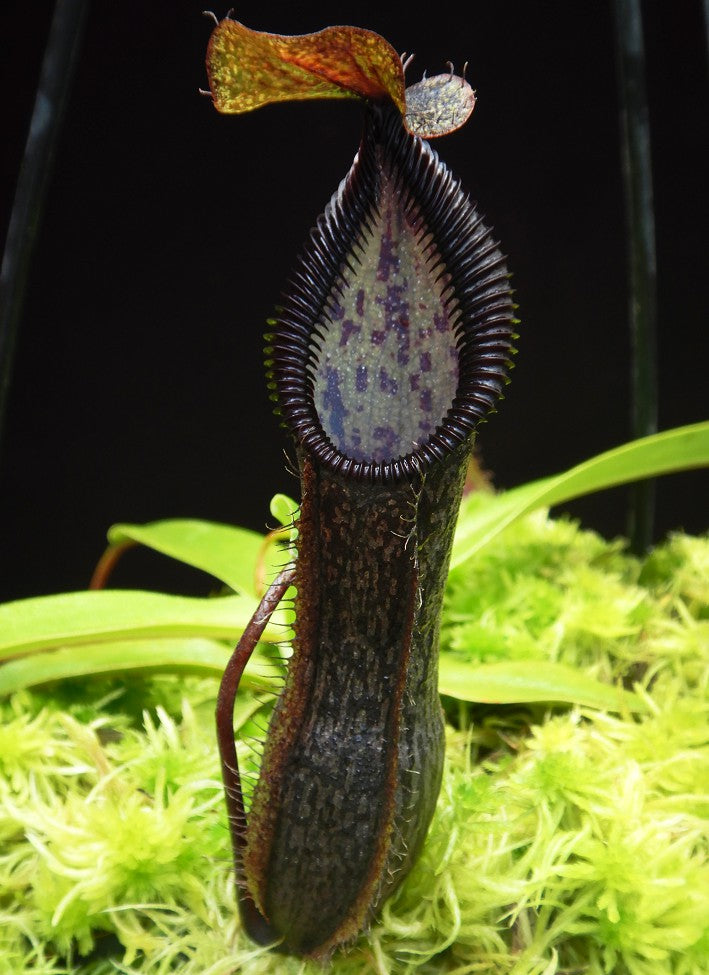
395	333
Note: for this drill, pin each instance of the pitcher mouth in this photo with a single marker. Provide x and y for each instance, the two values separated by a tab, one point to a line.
395	333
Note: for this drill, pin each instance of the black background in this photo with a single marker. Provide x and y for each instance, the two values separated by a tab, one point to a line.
169	230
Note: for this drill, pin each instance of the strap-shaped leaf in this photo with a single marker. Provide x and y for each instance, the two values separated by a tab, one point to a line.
44	622
195	656
224	551
680	449
529	682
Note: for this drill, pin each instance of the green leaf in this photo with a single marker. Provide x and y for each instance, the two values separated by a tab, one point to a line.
224	551
674	450
46	622
529	681
247	705
191	656
284	509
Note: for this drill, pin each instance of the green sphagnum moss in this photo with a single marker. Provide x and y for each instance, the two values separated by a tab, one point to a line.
565	841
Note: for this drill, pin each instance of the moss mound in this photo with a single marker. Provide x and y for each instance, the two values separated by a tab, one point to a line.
566	839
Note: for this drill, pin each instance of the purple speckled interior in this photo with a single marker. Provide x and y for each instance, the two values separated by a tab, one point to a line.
387	367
